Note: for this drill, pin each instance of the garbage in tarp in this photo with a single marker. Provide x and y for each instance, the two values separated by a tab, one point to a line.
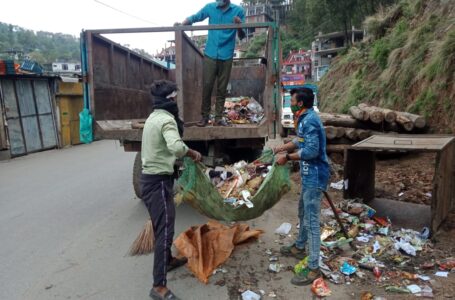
243	110
210	245
248	190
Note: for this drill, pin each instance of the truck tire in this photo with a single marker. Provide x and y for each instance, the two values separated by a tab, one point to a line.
284	132
137	170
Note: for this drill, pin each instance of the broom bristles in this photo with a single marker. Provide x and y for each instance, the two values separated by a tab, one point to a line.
145	241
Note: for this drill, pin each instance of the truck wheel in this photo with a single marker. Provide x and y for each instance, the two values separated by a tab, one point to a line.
284	132
137	170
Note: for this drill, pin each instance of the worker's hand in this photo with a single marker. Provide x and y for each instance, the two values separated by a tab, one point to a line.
281	160
277	149
237	20
194	155
177	24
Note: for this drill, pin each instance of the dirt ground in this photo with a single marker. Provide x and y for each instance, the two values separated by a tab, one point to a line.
247	267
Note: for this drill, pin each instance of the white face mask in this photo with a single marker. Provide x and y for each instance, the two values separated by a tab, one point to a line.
172	95
220	3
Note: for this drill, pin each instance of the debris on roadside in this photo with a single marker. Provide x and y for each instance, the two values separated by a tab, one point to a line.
249	295
320	288
284	229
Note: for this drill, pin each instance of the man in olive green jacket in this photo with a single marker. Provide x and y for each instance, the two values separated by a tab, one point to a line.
161	145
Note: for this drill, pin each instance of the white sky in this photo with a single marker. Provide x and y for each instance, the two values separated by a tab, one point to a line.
71	17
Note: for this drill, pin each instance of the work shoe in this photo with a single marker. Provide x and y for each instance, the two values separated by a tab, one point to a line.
292	250
203	122
168	296
308	279
221	123
176	263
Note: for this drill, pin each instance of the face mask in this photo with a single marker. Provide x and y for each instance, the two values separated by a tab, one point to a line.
220	3
295	108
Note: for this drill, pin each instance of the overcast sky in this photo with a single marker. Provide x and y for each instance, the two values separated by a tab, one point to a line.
72	16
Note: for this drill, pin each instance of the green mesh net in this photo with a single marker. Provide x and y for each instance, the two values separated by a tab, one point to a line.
198	191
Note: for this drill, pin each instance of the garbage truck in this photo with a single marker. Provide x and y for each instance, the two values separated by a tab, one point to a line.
117	80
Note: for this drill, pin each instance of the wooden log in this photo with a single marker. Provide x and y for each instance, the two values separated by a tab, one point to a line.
389	115
337	148
330	132
363	134
419	121
340	131
351	133
359	114
405	122
375	113
340	120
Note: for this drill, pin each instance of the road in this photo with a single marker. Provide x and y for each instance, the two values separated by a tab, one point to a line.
67	219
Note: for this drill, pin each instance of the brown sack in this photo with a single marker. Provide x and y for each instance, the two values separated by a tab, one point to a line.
210	245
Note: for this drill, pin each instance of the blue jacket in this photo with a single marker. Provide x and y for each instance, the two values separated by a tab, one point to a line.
314	165
220	43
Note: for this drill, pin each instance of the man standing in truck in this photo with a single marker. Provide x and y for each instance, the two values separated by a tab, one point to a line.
218	54
314	170
161	145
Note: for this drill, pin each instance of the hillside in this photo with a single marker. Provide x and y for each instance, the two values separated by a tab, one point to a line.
407	63
44	47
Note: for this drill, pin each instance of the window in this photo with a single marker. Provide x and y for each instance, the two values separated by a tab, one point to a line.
77	67
316	63
65	67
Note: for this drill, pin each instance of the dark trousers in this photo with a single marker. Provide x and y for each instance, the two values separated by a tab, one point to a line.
157	194
215	69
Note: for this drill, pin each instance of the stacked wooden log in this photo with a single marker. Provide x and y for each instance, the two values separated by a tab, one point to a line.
365	120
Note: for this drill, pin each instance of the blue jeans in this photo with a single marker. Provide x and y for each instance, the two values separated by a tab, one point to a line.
310	230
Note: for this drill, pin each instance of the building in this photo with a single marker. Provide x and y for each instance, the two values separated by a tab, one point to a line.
257	13
327	46
66	67
298	62
167	54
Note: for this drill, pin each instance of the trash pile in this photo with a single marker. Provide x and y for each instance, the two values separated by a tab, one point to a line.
239	182
385	256
243	110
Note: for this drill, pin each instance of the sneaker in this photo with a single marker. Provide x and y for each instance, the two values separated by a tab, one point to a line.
221	123
203	122
292	250
308	279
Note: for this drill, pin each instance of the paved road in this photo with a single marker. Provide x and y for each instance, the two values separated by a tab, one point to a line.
67	219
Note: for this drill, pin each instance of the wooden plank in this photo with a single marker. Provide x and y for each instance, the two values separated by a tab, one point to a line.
3	142
423	142
443	195
178	28
359	174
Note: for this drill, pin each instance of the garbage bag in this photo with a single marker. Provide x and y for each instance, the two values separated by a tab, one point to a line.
198	191
210	245
85	126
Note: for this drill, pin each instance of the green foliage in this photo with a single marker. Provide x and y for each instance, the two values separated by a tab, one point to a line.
380	52
44	47
425	103
256	46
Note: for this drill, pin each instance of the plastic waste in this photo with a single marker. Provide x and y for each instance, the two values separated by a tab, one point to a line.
249	295
320	288
406	247
302	267
397	289
425	233
347	269
414	288
284	229
337	185
275	267
255	107
442	274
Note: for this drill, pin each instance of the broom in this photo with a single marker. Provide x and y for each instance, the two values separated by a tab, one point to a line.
145	241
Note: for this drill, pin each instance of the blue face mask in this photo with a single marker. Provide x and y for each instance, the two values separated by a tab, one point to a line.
220	3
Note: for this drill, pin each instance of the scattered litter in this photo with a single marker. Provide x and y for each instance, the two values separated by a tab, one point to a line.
406	247
429	195
426	292
424	278
302	267
272	295
363	239
48	287
275	267
400	194
320	288
384	231
425	233
376	247
221	282
397	289
249	295
347	269
273	258
243	110
377	273
284	229
337	185
442	274
220	270
262	292
366	296
414	288
268	252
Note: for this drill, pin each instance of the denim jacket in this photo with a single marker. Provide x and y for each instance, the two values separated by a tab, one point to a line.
314	165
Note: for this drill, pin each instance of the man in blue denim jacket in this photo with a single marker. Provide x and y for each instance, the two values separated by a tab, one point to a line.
314	170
